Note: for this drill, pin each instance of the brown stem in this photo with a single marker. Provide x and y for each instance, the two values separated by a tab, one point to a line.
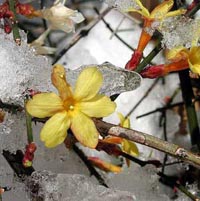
148	140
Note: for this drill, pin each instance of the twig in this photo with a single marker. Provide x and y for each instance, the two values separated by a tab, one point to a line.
187	94
143	97
80	34
156	163
161	109
164	116
148	140
173	163
173	182
28	125
89	166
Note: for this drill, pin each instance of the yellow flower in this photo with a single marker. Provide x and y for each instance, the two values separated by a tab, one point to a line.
127	146
72	109
194	60
160	12
60	17
190	57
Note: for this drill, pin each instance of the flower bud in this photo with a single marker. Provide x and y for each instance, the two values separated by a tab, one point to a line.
153	71
135	59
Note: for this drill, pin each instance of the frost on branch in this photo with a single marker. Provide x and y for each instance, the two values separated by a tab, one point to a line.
174	31
116	80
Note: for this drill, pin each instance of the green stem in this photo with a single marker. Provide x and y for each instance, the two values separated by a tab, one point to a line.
15	29
188	96
28	125
150	56
1	198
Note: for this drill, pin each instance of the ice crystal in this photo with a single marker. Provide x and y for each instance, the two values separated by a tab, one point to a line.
123	5
20	69
71	187
179	31
116	80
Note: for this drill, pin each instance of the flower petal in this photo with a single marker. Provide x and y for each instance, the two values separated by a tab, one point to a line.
162	9
194	55
124	122
99	106
142	10
105	166
58	77
195	68
177	53
88	84
44	105
175	13
130	147
84	130
54	131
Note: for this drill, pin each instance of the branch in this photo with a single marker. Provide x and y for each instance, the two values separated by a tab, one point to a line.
147	140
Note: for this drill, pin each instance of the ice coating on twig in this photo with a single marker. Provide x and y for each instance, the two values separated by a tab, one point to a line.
175	32
116	80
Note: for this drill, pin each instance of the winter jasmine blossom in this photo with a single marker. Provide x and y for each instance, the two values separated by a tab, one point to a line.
159	13
72	108
180	58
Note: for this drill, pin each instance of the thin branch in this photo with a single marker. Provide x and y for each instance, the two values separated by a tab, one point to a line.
143	97
89	166
148	140
160	109
173	182
29	129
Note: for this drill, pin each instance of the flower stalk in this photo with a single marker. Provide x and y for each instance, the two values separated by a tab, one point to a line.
15	28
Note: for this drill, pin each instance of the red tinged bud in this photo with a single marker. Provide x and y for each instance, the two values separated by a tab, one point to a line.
134	61
29	154
25	9
153	71
145	37
31	147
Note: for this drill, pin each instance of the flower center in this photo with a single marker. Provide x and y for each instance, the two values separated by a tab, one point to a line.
69	104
